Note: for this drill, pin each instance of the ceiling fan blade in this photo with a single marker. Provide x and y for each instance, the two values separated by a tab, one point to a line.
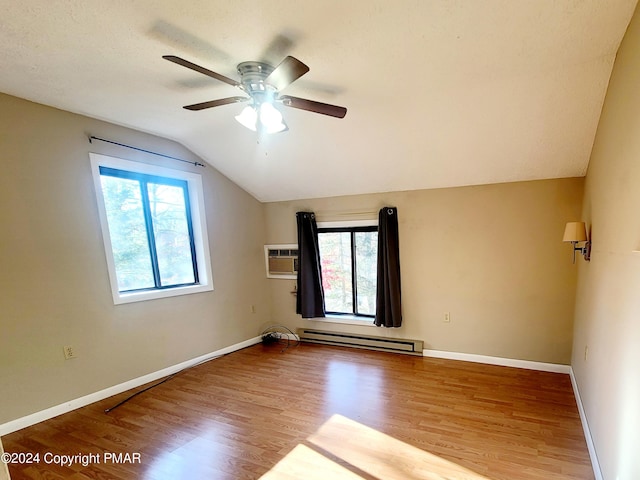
313	106
287	72
199	69
216	103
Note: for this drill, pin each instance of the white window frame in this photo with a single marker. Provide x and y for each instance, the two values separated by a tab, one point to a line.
198	219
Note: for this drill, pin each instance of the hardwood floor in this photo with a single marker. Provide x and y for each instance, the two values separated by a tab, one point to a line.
318	412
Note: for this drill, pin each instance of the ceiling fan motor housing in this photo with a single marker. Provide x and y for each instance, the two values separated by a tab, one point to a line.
253	76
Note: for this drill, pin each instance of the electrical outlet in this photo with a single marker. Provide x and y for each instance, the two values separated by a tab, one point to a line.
586	352
253	309
69	352
447	317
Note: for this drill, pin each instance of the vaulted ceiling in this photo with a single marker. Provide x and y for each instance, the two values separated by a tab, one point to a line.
440	93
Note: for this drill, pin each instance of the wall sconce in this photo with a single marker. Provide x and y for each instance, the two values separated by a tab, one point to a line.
576	232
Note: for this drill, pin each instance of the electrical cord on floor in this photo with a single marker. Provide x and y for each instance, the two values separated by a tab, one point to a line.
107	410
271	335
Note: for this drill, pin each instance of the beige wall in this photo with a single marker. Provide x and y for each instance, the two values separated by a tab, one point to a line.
490	255
54	286
608	295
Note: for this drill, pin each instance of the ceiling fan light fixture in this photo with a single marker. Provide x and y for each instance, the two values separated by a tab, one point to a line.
271	118
248	117
264	117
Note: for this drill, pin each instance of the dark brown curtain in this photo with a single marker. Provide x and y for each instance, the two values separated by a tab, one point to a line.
388	304
310	298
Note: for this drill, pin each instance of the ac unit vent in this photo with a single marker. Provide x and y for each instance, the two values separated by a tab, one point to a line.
281	261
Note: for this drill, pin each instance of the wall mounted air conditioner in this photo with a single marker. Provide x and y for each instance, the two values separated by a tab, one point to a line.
281	261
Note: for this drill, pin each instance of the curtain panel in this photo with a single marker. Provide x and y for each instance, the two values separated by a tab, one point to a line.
388	296
310	297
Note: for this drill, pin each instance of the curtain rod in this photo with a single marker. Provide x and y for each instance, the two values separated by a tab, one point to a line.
347	213
197	164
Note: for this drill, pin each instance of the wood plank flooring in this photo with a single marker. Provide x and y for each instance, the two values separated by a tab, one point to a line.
318	412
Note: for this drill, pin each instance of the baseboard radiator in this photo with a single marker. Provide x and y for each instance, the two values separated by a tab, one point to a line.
355	340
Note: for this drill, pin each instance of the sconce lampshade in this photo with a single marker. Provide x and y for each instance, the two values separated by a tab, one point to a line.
575	232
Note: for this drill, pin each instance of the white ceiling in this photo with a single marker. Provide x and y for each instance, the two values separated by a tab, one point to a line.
440	93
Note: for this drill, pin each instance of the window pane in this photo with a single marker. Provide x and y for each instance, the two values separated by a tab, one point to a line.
366	271
171	231
128	233
335	259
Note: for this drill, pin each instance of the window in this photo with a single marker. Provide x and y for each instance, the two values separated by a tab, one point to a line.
153	229
348	257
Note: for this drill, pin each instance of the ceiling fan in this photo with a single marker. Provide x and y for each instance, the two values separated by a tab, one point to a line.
263	83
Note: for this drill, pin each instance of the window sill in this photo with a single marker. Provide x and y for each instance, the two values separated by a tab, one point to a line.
345	320
120	298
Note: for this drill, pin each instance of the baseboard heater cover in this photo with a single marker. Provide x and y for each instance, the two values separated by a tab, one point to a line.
355	340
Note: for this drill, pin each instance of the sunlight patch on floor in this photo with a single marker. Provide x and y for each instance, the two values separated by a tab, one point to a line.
345	449
303	462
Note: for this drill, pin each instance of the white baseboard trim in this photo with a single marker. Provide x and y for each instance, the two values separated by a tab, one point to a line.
51	412
504	362
587	433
